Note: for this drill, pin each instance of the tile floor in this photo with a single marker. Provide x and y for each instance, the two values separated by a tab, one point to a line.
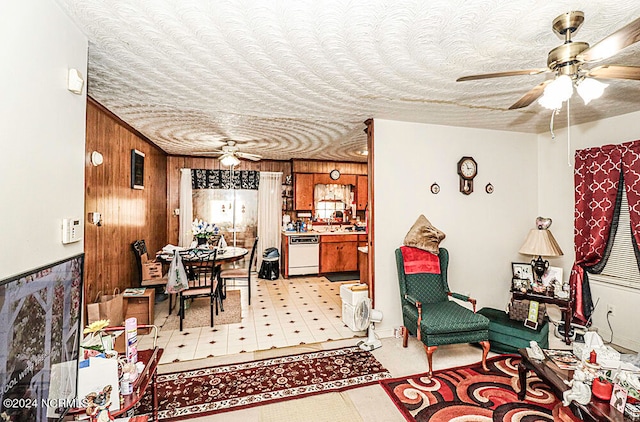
283	312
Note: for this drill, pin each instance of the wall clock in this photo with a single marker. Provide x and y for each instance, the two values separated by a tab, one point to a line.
467	170
334	174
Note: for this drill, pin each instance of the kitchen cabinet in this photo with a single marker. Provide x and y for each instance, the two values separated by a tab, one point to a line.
325	179
338	253
303	191
284	256
362	192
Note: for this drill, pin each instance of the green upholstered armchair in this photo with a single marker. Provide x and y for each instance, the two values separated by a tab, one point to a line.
428	313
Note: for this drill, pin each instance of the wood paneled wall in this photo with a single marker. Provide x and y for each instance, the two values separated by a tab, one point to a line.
127	214
175	163
313	166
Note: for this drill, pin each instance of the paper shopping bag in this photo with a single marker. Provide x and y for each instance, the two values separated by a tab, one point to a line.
109	307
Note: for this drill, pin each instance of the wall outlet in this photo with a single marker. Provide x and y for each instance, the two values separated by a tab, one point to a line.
611	310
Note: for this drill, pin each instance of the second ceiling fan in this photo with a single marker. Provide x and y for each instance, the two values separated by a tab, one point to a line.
567	63
230	155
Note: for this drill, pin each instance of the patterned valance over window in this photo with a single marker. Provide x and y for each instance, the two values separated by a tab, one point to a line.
221	179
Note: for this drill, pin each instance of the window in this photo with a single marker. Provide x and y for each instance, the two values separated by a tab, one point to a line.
326	209
622	267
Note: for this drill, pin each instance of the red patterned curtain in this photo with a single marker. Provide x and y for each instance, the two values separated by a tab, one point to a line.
631	171
598	174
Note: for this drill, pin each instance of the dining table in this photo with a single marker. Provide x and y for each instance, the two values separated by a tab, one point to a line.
226	255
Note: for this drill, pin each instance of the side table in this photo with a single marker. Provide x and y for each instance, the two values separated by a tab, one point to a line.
565	306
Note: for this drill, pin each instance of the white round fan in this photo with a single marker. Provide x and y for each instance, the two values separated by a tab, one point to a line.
230	151
365	317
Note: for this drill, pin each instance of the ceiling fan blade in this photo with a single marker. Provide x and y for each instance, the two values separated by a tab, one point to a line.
613	43
501	74
218	152
246	155
615	72
530	96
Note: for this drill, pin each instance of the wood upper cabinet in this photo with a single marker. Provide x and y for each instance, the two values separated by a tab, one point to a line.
303	191
338	253
362	192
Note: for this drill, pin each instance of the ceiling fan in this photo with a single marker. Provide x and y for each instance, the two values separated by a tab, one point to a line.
229	154
567	63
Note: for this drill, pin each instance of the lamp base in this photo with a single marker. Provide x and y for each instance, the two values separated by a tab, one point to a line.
539	268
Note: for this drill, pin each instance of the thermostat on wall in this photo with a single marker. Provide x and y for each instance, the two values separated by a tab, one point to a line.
71	230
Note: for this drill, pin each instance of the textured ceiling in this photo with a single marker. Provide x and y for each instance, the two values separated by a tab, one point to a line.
297	78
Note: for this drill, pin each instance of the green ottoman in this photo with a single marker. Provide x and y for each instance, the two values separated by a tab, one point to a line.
507	336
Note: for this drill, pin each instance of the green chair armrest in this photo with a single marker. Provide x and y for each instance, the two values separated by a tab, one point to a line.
464	298
413	301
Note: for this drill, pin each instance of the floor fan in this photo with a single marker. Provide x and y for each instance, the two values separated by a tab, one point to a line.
365	317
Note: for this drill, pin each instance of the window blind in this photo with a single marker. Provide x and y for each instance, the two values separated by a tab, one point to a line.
621	268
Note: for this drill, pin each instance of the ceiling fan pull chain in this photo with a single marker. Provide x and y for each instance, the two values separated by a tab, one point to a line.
569	132
553	114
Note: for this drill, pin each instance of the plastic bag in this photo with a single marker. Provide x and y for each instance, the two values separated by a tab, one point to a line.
177	278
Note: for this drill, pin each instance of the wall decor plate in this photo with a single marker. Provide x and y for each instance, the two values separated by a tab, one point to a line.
489	188
435	188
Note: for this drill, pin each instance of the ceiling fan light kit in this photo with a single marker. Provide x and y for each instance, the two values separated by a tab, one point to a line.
566	62
229	160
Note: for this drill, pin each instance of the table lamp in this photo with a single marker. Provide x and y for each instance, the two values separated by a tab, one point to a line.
540	242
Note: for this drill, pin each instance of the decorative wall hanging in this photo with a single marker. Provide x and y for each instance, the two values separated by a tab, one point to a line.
137	169
221	179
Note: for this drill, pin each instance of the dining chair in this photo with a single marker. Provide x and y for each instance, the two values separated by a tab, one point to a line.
241	273
142	260
202	273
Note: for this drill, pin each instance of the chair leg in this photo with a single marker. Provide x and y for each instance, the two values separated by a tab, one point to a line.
485	351
181	311
211	300
405	336
430	350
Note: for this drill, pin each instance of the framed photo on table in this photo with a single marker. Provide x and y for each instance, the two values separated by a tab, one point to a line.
552	276
524	272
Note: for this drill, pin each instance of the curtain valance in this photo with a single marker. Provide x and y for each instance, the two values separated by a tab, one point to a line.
221	179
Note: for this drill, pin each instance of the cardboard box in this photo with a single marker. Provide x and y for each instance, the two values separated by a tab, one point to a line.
151	270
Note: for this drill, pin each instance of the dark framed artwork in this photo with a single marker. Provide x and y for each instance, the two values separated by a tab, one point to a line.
137	169
40	312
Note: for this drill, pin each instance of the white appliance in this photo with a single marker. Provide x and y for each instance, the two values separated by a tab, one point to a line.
304	254
351	294
365	316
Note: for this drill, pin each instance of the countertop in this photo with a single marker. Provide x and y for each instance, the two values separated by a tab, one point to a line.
322	232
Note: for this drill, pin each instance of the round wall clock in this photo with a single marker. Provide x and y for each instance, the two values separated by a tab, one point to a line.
334	174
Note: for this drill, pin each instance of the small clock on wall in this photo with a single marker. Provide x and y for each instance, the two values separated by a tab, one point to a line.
467	170
334	174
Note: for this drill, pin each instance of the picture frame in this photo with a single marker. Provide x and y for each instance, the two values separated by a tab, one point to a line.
48	300
552	276
523	271
518	284
137	169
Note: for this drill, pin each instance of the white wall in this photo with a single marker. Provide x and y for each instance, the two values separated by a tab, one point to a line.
42	134
556	188
484	232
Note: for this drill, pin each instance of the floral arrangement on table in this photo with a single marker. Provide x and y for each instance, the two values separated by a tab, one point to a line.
93	341
202	230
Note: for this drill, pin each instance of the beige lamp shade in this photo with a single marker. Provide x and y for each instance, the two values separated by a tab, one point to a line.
540	243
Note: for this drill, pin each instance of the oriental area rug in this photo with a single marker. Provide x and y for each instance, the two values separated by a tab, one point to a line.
189	394
468	393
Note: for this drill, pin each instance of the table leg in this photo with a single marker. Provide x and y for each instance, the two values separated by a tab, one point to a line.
154	391
567	325
522	378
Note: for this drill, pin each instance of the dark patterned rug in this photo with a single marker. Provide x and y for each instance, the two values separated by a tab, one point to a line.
189	394
469	393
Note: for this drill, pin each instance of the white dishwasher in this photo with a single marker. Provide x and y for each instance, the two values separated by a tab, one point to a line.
304	254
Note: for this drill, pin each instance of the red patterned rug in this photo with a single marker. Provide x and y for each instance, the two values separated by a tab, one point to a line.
189	394
470	394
